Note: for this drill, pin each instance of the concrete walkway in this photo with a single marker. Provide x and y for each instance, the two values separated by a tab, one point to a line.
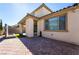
13	46
37	46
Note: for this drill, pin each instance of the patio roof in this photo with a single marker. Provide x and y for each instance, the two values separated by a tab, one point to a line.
27	16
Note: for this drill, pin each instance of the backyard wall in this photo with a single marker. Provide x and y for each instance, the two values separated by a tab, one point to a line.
72	35
12	30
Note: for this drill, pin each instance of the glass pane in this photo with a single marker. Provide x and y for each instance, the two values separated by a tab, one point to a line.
53	23
35	26
62	22
47	25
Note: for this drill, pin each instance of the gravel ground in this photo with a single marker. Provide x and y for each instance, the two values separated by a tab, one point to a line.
45	46
36	46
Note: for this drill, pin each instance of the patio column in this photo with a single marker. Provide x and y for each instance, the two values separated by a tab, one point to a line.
29	27
20	28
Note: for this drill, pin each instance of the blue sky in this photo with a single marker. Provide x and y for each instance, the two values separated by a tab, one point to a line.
12	13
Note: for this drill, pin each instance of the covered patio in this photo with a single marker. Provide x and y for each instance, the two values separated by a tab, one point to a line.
28	25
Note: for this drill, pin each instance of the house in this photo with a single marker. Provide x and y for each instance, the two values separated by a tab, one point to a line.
60	25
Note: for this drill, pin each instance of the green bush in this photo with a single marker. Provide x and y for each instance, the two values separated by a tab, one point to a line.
19	35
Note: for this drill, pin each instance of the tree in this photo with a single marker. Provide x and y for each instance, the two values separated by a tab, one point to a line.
76	4
1	25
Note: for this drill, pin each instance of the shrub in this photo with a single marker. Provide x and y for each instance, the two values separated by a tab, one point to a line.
19	35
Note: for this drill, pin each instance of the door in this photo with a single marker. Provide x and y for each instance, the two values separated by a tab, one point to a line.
35	27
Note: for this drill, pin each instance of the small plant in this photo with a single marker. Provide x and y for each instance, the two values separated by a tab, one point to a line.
19	35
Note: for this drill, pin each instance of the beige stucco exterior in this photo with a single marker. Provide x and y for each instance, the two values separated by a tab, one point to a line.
20	28
40	26
72	24
72	35
29	22
41	12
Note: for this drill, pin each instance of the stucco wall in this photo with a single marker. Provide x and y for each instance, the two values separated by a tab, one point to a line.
72	35
23	28
41	12
29	27
20	28
40	26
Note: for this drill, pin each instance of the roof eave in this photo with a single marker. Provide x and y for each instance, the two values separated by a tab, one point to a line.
41	7
60	12
28	15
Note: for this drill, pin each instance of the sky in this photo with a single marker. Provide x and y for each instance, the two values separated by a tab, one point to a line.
12	13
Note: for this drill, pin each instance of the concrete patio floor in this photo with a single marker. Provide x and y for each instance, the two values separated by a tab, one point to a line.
37	46
13	46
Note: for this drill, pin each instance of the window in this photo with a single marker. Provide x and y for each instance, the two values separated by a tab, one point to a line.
62	22
56	23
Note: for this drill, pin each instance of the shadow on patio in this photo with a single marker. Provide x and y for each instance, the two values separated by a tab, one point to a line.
45	46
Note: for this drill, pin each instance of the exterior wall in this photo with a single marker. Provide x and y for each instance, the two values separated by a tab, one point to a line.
40	26
20	28
41	12
23	28
29	27
72	35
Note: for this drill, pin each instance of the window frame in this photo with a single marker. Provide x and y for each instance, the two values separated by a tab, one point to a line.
66	24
